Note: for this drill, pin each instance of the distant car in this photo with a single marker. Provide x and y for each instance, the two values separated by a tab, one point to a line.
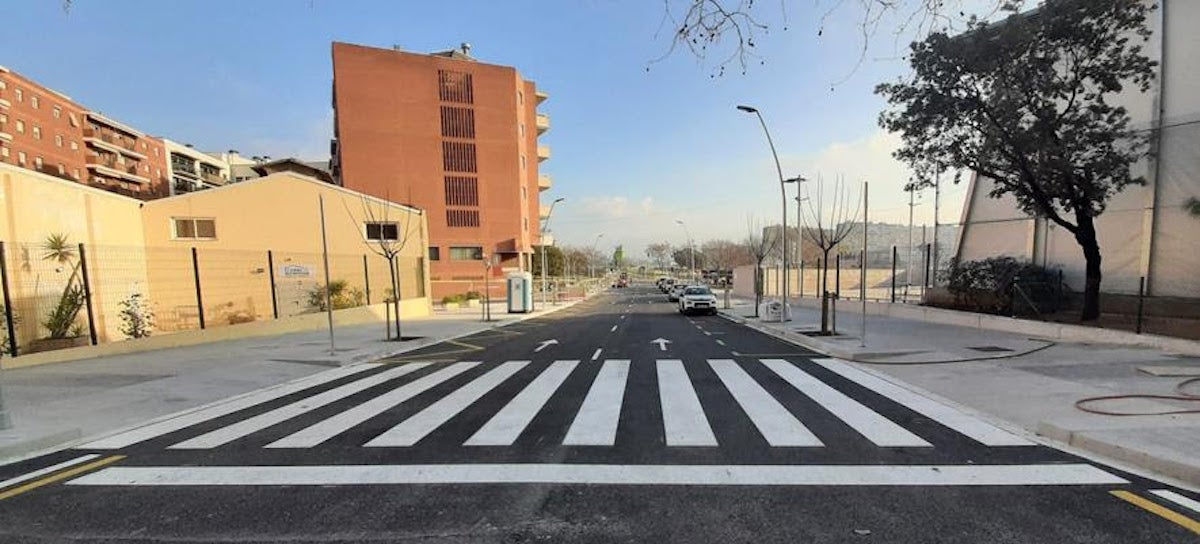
666	285
676	291
697	299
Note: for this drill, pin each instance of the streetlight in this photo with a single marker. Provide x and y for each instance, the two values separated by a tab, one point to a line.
691	247
545	229
800	234
783	192
592	255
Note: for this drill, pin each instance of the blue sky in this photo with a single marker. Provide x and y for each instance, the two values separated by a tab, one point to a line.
636	144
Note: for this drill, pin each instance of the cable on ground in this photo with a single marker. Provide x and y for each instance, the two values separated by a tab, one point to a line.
1182	395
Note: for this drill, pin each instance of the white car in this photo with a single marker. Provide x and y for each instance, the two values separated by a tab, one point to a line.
697	298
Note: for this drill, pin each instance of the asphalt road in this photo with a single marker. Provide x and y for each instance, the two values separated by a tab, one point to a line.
634	424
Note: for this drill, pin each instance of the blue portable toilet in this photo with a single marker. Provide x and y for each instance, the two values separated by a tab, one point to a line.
520	293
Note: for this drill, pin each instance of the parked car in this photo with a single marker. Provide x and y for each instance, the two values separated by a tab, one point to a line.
676	291
666	285
697	299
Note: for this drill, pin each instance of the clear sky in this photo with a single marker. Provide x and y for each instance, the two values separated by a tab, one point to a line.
637	144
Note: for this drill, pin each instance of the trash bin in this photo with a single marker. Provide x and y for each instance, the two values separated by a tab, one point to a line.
520	293
770	310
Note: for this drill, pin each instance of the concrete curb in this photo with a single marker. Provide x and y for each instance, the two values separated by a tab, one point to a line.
1188	473
23	447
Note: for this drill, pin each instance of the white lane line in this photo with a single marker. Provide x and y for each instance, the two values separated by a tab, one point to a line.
245	427
613	329
539	473
706	333
596	421
684	422
1164	493
44	471
623	317
413	429
596	355
504	427
973	427
200	415
722	342
344	421
775	422
876	428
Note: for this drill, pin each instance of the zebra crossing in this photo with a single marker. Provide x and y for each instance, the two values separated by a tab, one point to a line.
686	421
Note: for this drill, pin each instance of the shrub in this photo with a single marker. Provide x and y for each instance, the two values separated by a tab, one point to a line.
340	294
987	285
137	319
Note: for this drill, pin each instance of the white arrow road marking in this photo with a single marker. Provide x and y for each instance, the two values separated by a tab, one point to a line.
662	343
544	344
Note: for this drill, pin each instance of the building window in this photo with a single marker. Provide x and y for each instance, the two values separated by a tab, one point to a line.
20	95
525	224
143	146
74	145
524	194
62	169
4	152
74	120
58	140
75	173
20	126
469	253
522	163
190	228
520	98
458	157
37	163
21	158
458	122
522	131
435	253
57	112
37	132
383	231
455	87
462	191
33	101
462	218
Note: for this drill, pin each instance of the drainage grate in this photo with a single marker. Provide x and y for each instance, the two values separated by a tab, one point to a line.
988	349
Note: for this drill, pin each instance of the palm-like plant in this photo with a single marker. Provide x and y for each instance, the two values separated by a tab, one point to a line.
61	320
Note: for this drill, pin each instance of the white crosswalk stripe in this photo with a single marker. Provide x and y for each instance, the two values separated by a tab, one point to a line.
342	422
683	418
504	428
228	434
595	423
966	424
413	429
876	428
775	422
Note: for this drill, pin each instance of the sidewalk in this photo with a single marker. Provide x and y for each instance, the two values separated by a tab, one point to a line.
54	405
1028	382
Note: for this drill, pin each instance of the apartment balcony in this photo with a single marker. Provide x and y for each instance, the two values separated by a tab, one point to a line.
111	143
541	95
545	182
212	179
543	152
185	186
543	123
4	103
131	173
4	134
543	211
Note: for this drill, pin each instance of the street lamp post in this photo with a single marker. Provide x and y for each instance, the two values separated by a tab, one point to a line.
546	229
592	255
783	192
800	236
691	248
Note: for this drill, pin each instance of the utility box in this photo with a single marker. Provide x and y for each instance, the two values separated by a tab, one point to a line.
520	293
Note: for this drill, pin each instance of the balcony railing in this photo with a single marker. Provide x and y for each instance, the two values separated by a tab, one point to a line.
543	152
110	162
4	134
543	123
212	178
545	182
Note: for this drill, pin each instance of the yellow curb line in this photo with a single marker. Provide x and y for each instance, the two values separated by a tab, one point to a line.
60	476
1159	510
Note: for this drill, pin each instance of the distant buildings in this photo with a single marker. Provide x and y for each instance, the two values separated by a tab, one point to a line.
452	135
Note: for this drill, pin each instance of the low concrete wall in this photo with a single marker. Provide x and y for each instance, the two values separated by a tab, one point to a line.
1038	329
374	313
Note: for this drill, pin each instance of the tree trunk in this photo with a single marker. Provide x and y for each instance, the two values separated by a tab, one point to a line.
1086	237
395	297
758	286
825	293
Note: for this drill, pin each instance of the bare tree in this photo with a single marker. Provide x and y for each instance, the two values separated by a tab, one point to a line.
386	238
759	244
723	254
729	30
660	254
840	224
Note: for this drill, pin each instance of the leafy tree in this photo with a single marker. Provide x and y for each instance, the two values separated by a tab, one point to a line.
555	260
1028	104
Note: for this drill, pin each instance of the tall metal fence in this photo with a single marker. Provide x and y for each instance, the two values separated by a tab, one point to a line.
76	294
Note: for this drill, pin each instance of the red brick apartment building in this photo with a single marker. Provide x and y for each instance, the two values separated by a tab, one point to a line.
42	129
456	137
